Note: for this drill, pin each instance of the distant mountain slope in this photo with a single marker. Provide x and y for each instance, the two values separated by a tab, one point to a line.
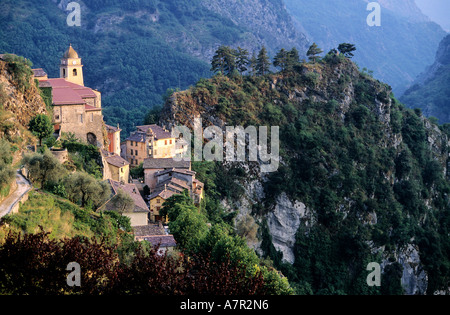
397	51
431	90
134	50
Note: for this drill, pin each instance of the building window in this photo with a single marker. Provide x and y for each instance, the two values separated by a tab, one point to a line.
75	72
154	152
158	200
92	117
131	152
165	142
81	118
170	141
64	73
136	152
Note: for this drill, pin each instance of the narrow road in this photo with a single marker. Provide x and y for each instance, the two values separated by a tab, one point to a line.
23	186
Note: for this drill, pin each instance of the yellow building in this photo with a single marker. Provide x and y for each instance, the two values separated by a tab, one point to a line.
71	68
115	167
156	201
150	141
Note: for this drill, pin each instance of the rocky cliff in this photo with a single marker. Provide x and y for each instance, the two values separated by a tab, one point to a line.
20	101
346	191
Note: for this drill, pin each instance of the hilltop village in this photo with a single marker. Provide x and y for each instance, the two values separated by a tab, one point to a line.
77	110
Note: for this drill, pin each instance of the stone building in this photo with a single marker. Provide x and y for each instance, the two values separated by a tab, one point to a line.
139	214
115	167
150	141
76	109
167	177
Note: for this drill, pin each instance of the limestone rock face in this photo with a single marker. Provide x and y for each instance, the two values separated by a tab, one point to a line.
283	224
414	278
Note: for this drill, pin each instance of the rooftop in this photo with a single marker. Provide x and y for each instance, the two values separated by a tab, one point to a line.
67	93
112	129
71	53
158	132
158	240
132	191
170	163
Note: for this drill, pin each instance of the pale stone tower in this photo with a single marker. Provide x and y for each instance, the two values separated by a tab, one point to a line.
71	68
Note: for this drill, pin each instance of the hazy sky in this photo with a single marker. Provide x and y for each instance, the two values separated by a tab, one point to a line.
437	10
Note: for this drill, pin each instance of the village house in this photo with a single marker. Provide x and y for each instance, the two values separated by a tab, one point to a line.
115	167
167	177
140	214
156	235
151	141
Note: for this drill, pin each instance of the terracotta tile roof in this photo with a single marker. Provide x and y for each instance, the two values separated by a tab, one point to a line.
137	137
150	229
158	131
175	170
63	95
39	72
174	182
164	194
159	240
151	163
68	93
117	161
132	191
112	129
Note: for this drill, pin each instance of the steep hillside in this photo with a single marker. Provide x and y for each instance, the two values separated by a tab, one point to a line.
133	51
397	51
20	100
431	90
361	178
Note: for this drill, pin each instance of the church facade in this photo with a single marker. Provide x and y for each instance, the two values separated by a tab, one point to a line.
76	109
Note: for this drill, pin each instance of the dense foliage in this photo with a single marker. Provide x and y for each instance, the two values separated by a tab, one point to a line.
149	272
197	236
342	157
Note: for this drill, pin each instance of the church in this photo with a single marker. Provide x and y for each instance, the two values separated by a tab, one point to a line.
76	109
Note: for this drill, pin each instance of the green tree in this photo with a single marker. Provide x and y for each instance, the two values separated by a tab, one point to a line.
123	202
242	60
224	60
281	59
41	126
6	170
347	49
262	62
43	168
313	53
85	189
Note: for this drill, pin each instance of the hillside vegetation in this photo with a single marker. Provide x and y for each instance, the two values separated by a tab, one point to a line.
372	172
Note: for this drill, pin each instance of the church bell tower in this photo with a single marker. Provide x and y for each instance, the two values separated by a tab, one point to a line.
71	68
